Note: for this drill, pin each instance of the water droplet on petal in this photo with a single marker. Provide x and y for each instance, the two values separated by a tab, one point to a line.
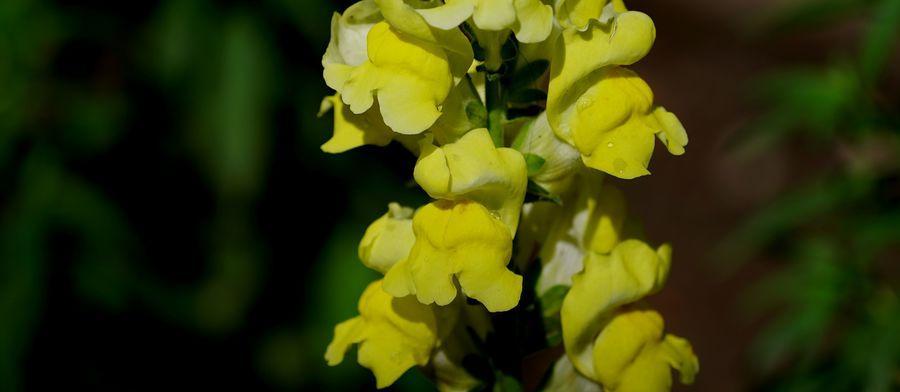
610	145
619	164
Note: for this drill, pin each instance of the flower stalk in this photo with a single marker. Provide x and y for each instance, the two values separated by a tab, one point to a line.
496	107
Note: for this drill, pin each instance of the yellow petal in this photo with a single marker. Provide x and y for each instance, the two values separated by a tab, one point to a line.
623	41
631	354
565	379
460	240
607	122
543	50
449	15
607	218
347	47
534	21
473	169
455	120
672	132
453	42
394	334
578	13
353	130
632	271
494	15
388	239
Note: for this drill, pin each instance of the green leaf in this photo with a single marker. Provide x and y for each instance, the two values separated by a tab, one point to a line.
534	162
538	193
551	301
551	304
476	112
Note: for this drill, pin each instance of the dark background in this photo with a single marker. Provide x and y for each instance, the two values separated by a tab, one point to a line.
169	222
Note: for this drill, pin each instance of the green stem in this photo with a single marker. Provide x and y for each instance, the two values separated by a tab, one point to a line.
496	107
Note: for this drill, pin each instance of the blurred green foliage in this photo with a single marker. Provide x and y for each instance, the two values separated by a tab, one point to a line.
160	173
833	304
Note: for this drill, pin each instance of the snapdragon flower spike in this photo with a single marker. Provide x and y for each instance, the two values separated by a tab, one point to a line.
403	70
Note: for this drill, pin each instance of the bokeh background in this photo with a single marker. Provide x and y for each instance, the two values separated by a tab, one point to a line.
167	220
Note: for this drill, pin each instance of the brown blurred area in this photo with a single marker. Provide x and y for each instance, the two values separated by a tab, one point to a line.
703	64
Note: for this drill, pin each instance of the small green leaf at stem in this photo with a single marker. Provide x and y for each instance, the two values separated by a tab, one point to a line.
551	304
538	193
534	163
496	107
476	113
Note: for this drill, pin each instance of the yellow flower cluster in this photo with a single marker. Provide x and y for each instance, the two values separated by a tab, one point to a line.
426	73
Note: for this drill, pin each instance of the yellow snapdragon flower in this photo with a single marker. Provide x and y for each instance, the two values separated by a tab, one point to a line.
473	169
394	334
355	130
623	350
409	68
606	111
460	240
632	354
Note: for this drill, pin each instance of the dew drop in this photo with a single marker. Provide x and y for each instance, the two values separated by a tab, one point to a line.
619	164
610	145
